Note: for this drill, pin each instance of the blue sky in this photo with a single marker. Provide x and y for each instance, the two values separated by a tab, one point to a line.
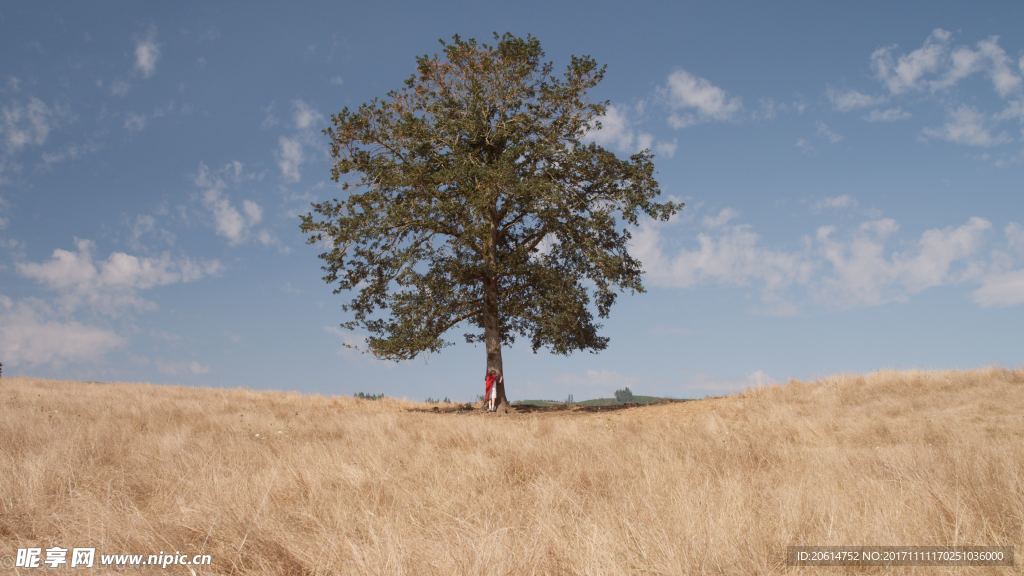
852	174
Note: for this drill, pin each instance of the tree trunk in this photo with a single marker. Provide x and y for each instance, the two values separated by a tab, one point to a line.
492	322
492	341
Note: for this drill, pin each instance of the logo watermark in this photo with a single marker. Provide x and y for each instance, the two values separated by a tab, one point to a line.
899	556
87	557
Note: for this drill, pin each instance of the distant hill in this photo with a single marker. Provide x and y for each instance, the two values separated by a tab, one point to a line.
637	401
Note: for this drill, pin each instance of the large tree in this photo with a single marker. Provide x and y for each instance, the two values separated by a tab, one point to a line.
472	197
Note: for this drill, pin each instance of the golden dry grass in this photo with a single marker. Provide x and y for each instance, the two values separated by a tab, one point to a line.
279	483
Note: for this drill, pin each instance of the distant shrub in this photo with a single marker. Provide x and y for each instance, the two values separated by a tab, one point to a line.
365	396
436	401
623	396
570	400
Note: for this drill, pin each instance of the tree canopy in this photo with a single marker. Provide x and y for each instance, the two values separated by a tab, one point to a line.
472	197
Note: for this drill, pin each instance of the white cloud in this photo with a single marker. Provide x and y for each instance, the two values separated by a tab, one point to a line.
907	72
836	202
147	53
963	63
7	166
1002	285
847	100
694	100
290	158
177	368
28	123
935	66
134	122
30	337
864	272
617	132
931	262
827	133
824	132
767	109
1000	290
111	285
265	238
1013	111
253	212
1004	80
724	216
69	153
759	378
143	226
644	141
119	88
859	266
865	266
229	221
666	149
965	125
305	115
270	119
729	255
1015	238
988	56
805	147
1006	160
292	148
614	131
887	115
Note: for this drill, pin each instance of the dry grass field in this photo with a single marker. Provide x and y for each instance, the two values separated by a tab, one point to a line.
283	483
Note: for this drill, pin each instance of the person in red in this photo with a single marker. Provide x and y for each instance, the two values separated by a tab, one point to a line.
491	388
